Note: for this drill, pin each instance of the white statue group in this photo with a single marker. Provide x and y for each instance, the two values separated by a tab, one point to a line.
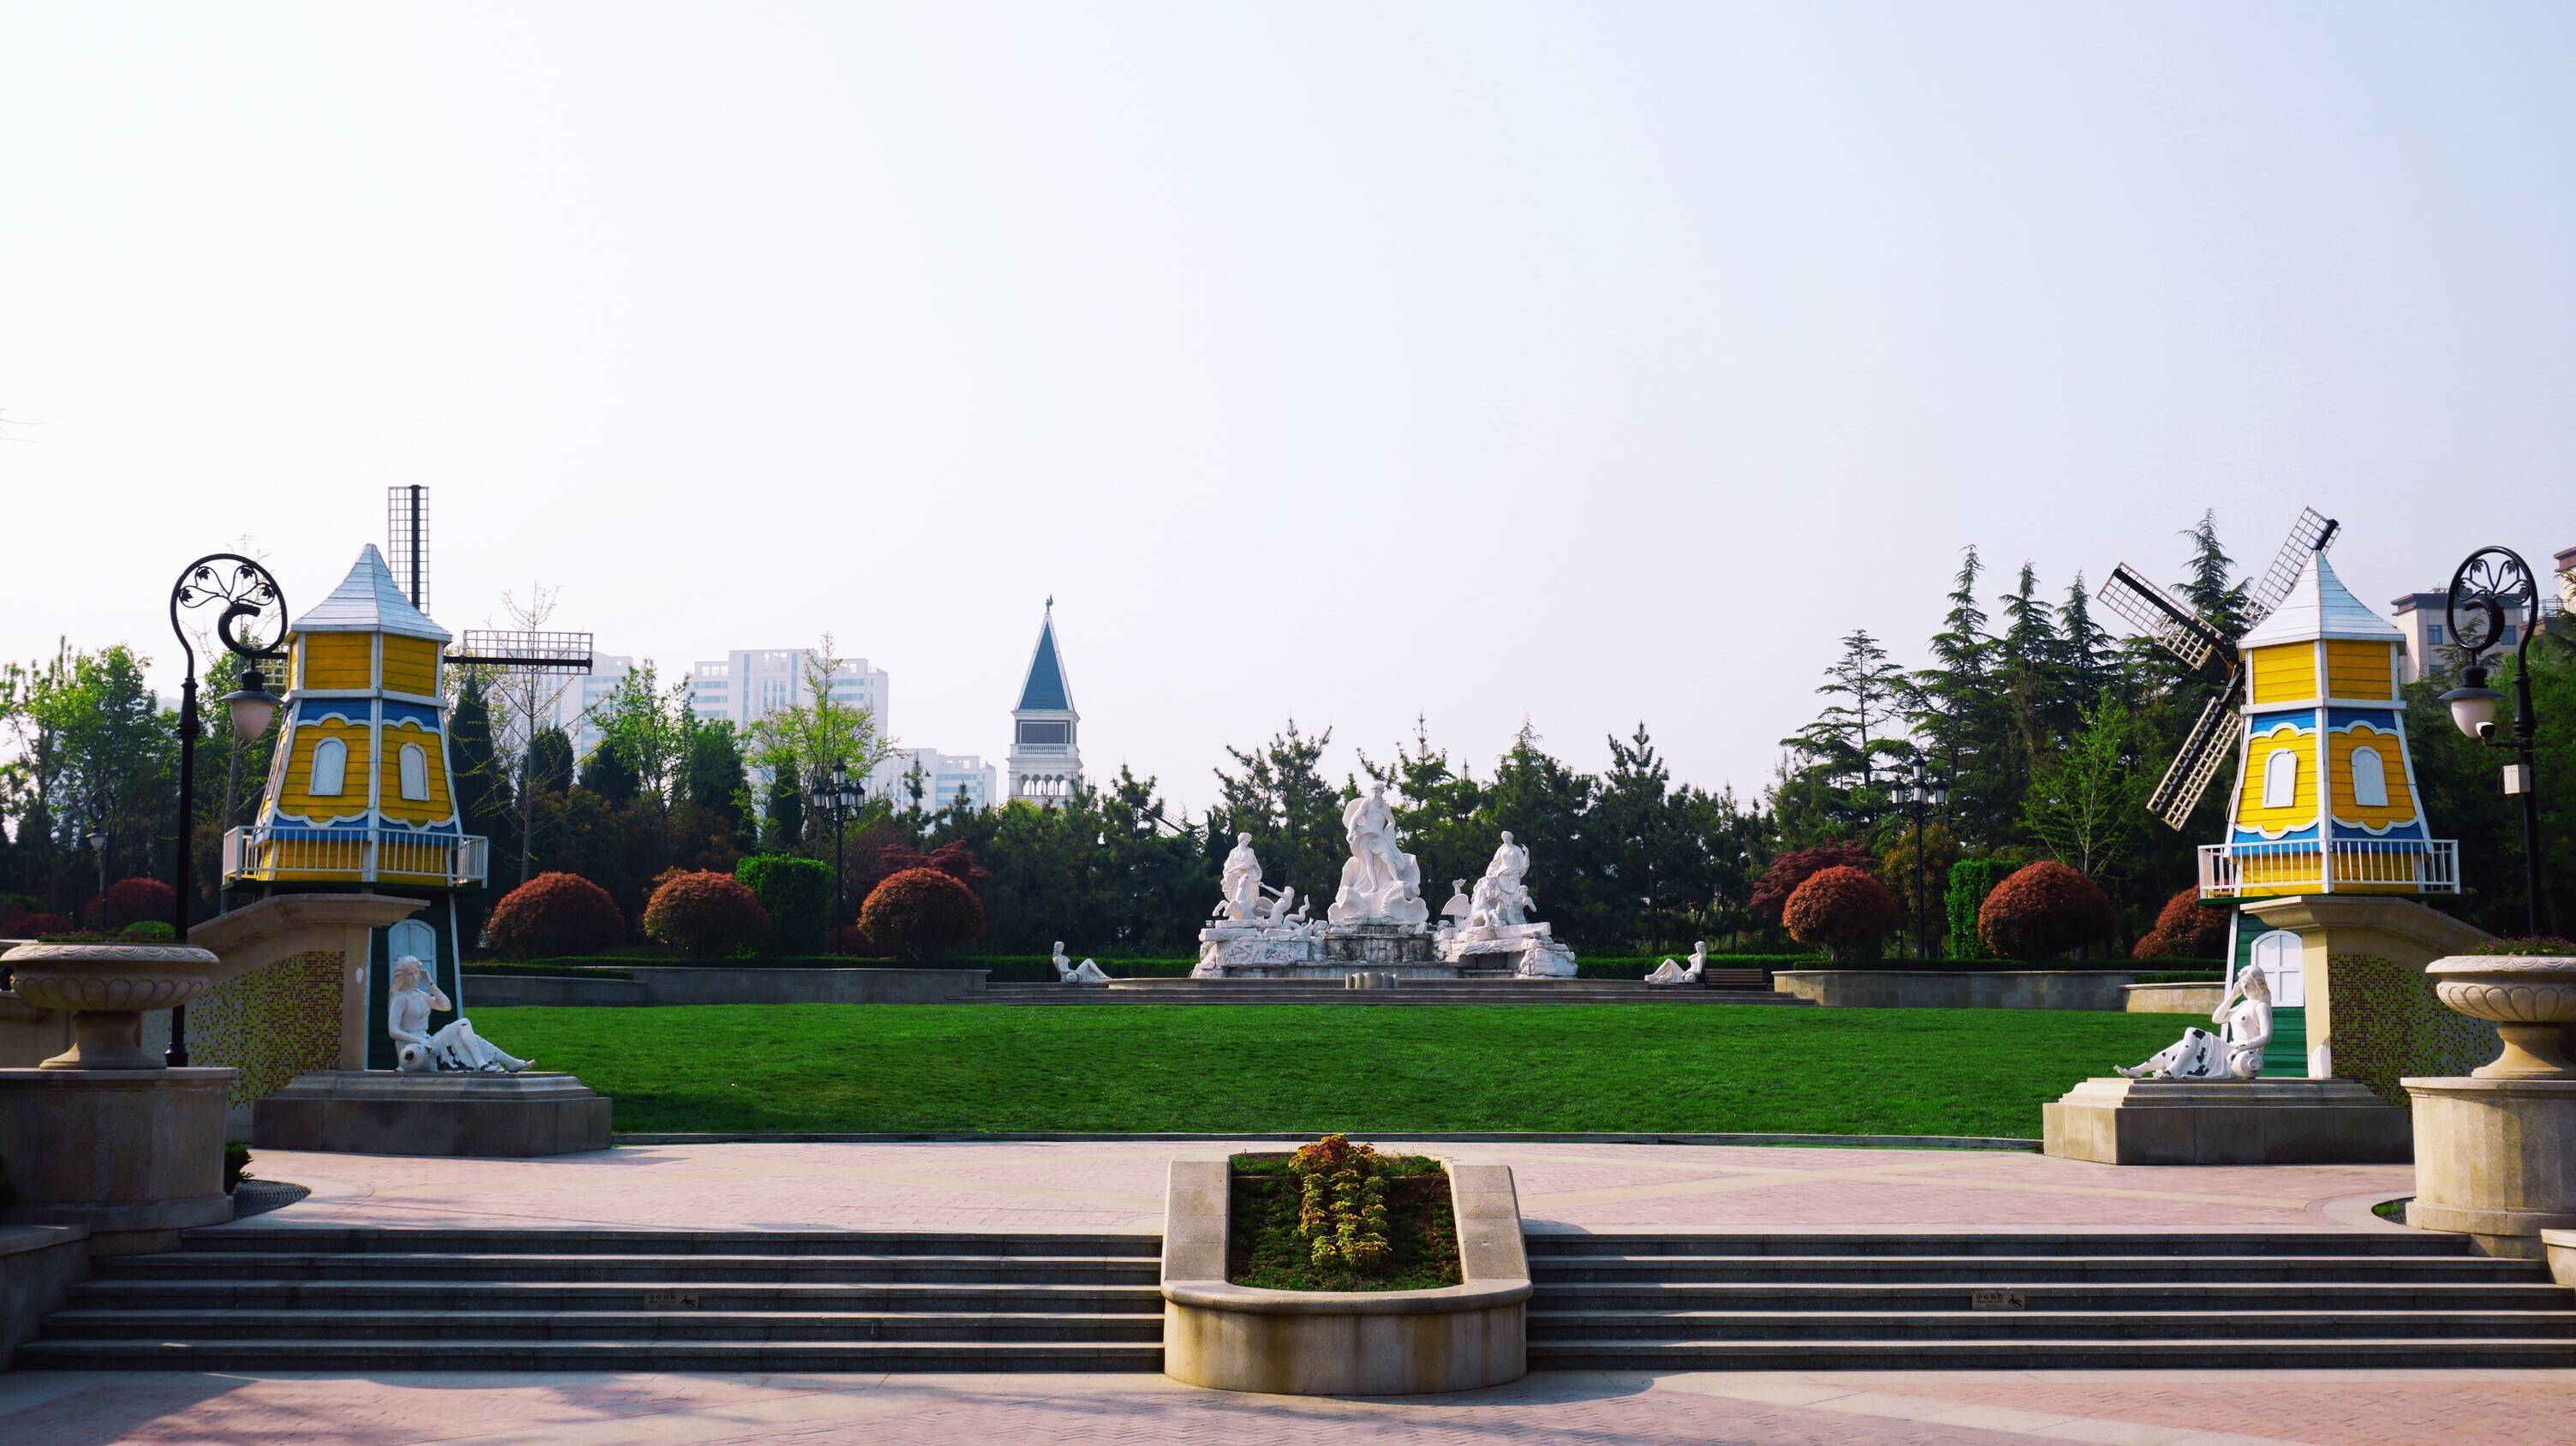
1500	900
455	1048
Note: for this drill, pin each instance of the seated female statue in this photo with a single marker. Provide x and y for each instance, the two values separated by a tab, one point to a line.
2235	1052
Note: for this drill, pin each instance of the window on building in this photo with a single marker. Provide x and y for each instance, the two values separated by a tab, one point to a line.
2281	779
2433	634
1046	732
2369	778
330	768
414	764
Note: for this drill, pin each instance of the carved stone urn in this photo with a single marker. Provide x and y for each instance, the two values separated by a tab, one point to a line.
2531	1000
108	988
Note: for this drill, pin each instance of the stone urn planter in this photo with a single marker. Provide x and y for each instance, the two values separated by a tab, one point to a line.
107	989
2529	998
1362	1343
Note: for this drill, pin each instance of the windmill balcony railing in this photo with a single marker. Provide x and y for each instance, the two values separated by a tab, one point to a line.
281	854
2344	865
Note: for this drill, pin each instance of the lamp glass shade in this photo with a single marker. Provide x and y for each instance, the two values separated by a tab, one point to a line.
849	798
251	706
2472	709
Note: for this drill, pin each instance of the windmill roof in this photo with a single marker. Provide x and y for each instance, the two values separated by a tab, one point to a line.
1045	688
367	601
2318	606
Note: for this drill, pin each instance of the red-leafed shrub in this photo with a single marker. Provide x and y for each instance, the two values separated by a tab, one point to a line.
1842	909
922	914
555	914
2185	930
34	926
2043	911
704	914
131	901
1771	892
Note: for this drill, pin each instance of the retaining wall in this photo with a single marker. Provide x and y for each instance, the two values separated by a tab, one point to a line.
725	984
2105	989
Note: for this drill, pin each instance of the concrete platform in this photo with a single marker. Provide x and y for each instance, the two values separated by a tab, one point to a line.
136	1155
2118	1121
380	1112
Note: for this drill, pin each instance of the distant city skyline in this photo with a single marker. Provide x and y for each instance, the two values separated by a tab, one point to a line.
1579	365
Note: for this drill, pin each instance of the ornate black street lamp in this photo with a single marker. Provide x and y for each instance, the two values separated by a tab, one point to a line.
253	610
838	795
2490	588
1920	795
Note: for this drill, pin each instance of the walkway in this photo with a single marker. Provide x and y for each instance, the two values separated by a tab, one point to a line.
1119	1185
2332	1408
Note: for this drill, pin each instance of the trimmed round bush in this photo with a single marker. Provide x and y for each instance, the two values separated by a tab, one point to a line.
148	931
704	914
35	926
922	914
1842	909
2184	930
1790	870
2042	912
131	901
555	914
798	895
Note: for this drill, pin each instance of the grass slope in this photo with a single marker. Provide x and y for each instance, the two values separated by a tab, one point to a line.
777	1067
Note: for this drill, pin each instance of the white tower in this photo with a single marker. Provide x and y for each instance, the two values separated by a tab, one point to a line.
1046	751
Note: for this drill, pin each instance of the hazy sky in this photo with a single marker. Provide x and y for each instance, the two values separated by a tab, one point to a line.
1587	363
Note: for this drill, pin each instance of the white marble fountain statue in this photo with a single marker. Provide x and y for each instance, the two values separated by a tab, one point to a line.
1378	921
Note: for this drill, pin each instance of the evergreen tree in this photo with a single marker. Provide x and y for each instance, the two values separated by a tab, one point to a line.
1840	755
786	831
1294	816
607	773
2084	650
713	778
1956	712
483	792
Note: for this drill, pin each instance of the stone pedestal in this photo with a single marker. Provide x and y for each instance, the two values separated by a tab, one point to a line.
137	1155
2118	1121
2495	1159
381	1112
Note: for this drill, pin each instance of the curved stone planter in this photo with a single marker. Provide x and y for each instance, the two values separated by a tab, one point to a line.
2495	1150
2529	998
107	989
1330	1343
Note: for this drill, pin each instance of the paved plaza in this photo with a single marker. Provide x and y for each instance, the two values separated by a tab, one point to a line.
1118	1185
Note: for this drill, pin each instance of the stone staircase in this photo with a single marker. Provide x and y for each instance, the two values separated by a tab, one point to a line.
286	1299
2037	1301
1741	987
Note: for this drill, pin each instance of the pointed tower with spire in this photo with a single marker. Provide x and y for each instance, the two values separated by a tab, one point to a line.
1046	732
360	797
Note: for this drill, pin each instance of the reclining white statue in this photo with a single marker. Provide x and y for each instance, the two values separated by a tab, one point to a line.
1068	972
1671	971
456	1049
2235	1052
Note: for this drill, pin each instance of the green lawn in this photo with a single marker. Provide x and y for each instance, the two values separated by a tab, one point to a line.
1329	1067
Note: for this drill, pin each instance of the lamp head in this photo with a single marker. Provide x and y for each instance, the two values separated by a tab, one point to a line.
2473	703
250	704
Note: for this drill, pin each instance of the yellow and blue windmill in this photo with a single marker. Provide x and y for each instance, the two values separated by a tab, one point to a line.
2325	799
361	790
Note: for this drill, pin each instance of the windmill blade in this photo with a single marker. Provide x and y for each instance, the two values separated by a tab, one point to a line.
407	541
2149	610
2313	532
531	652
2203	750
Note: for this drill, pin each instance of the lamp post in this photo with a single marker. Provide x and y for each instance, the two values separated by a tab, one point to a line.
98	850
2489	588
1920	795
253	608
838	796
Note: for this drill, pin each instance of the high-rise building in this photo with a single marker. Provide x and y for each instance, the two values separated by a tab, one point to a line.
743	687
2423	618
943	777
1046	746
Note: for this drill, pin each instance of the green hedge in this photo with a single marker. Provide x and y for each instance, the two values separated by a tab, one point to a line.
1638	966
2180	976
798	895
1002	968
547	968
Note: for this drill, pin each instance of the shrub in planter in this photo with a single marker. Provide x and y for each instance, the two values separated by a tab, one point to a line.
1771	892
1970	881
704	914
2044	911
130	901
1842	909
555	913
798	895
2184	930
35	926
148	931
922	914
2546	944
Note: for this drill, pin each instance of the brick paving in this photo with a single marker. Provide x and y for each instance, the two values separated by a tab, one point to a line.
1118	1185
2330	1408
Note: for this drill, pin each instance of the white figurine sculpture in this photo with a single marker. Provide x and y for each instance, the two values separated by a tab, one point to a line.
1671	971
454	1049
1241	883
1459	905
1501	899
2235	1052
1381	884
1068	972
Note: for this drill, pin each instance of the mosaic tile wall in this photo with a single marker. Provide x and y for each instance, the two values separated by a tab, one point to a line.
272	1024
2388	1025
